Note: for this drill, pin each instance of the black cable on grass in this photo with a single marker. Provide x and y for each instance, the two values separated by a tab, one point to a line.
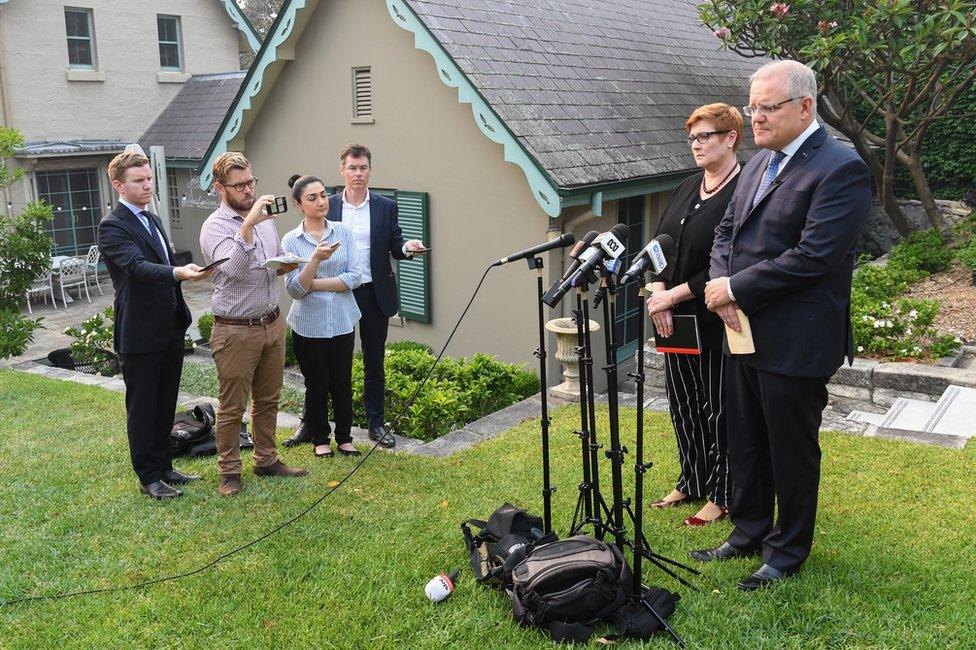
279	527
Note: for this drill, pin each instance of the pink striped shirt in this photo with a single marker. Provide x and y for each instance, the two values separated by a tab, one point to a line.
243	287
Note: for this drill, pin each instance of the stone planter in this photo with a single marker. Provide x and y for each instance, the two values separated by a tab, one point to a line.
565	331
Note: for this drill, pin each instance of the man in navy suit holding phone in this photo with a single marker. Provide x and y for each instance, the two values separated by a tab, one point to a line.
151	318
373	221
784	255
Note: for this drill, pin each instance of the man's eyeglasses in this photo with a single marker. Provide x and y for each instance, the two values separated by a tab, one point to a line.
766	109
703	136
239	187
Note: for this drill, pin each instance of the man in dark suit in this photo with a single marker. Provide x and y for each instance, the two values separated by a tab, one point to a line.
784	255
151	318
373	221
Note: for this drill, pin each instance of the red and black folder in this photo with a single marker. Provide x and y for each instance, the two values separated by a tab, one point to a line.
684	339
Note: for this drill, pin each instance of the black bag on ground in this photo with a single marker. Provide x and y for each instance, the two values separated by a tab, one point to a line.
191	429
566	586
502	541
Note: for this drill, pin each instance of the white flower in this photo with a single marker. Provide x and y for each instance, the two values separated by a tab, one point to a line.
860	348
908	331
913	314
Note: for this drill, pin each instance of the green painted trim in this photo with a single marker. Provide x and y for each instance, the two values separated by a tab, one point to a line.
624	191
280	31
243	24
596	204
543	189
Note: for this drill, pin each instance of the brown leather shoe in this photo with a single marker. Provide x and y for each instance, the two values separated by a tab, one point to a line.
230	485
278	468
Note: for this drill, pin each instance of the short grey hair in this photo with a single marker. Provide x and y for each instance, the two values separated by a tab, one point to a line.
801	81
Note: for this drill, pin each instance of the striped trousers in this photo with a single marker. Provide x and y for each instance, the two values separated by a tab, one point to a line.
696	400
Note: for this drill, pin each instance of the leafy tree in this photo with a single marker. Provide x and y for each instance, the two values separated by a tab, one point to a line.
908	61
25	253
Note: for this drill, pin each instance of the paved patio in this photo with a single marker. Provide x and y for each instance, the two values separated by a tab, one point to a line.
51	335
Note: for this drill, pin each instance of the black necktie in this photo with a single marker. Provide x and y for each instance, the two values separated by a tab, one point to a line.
154	234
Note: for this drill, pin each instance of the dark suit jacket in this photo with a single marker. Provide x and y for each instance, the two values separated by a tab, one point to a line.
791	257
385	239
147	296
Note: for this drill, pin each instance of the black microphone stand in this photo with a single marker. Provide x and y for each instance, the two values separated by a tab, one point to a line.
590	499
616	452
540	353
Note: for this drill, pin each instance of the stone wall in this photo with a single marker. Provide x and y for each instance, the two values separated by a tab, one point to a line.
879	235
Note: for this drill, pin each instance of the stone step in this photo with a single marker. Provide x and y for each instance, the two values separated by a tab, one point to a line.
953	413
907	415
865	417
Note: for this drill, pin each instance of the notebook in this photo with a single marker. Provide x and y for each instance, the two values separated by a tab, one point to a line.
685	338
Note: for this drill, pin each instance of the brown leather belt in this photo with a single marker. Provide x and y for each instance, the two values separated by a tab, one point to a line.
267	319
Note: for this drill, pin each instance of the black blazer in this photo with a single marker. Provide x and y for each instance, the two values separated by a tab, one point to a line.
385	239
791	257
147	296
693	231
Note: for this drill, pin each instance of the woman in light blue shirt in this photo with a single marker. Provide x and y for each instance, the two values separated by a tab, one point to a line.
323	314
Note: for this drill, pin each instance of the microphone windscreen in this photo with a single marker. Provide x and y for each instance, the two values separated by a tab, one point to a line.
666	243
620	231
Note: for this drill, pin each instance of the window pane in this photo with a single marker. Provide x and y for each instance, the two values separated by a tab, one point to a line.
76	23
79	52
169	55
166	28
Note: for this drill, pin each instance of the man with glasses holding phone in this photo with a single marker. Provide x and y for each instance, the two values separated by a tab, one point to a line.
248	338
784	256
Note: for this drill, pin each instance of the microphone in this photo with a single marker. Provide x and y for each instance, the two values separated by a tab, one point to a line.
654	255
562	241
607	245
441	586
580	246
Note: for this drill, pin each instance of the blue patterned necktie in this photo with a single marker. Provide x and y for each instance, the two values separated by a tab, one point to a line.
157	244
771	169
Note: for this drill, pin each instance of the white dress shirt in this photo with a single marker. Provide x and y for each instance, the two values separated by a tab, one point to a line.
357	220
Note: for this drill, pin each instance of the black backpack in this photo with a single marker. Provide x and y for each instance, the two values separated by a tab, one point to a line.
574	580
501	541
192	429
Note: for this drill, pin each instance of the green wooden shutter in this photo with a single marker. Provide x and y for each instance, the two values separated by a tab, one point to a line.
414	275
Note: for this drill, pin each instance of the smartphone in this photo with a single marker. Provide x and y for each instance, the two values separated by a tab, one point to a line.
214	263
280	205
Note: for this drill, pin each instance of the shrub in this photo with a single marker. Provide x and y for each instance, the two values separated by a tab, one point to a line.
459	392
26	254
888	325
205	325
93	342
921	254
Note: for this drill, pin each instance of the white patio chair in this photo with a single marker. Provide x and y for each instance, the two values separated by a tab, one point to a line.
42	285
91	265
72	275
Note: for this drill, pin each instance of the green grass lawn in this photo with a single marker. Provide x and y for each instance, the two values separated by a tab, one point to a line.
892	565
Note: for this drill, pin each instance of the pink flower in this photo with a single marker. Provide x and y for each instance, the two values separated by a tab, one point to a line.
722	32
779	9
826	25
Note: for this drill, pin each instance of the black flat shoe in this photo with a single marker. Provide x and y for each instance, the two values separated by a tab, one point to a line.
177	477
160	490
724	551
328	454
764	576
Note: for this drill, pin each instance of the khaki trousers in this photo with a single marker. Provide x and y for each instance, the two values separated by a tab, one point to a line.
250	362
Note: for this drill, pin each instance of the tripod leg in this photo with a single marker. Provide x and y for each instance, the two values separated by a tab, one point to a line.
664	623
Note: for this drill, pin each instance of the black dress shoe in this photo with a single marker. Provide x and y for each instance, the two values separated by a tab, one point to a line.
179	478
160	490
302	434
724	551
763	577
382	436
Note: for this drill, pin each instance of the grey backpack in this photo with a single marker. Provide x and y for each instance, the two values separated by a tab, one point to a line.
579	580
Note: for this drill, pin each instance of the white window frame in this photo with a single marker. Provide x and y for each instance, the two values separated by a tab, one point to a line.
90	18
178	43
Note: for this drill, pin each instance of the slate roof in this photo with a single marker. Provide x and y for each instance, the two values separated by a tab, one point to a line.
597	91
188	124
